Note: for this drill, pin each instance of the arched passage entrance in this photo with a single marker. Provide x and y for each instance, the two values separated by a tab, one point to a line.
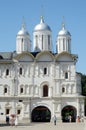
69	111
41	114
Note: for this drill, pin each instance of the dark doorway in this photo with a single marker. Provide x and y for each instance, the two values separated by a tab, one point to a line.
69	111
41	114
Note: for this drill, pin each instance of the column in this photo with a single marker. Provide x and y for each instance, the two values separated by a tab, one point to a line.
27	111
57	110
57	88
50	92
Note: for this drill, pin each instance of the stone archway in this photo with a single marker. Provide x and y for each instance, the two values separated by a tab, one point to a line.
69	111
41	114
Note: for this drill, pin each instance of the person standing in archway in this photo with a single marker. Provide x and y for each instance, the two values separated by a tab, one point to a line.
16	121
55	119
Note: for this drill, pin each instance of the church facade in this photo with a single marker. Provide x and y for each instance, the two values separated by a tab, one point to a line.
38	84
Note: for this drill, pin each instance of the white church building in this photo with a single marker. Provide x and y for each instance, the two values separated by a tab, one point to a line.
37	83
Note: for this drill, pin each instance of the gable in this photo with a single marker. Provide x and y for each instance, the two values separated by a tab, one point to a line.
64	57
45	57
28	57
25	58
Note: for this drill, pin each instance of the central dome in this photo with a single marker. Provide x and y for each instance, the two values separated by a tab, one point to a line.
42	26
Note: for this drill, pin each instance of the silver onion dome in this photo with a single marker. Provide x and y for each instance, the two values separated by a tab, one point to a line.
63	32
42	26
23	31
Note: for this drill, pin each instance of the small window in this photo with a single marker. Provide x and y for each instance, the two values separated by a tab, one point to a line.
20	71
48	41
7	111
45	70
66	75
18	112
63	90
5	90
36	40
63	44
2	113
45	91
7	72
1	57
20	100
22	39
21	90
42	41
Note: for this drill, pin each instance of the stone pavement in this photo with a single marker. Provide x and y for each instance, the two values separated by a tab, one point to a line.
46	126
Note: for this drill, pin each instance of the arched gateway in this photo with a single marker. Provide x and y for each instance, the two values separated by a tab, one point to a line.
68	111
41	114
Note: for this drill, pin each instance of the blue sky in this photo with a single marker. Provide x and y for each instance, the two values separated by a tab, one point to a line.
74	12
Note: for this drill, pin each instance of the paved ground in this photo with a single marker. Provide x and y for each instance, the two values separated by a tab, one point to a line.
46	126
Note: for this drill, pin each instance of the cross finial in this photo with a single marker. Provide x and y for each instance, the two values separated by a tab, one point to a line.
63	24
42	19
23	23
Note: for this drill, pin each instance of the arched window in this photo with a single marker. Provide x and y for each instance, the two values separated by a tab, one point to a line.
22	39
18	111
63	89
66	75
20	71
42	41
21	90
45	70
63	44
48	41
7	71
45	91
5	90
7	111
36	37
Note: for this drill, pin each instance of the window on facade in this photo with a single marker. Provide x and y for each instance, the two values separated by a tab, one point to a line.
5	90
66	75
1	57
48	41
20	100
42	41
20	71
7	111
45	70
7	72
22	39
36	40
18	112
21	90
63	90
68	44
59	45
45	91
63	44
